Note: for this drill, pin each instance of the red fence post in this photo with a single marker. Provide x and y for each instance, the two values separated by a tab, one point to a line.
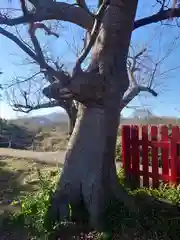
165	150
131	160
174	157
135	156
126	150
178	155
145	157
155	167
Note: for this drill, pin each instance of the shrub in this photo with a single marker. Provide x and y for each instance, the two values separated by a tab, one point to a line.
118	149
34	206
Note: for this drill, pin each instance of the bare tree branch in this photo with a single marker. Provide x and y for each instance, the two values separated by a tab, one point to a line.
82	3
29	108
36	44
70	106
33	27
160	16
93	35
48	70
43	26
20	44
77	15
129	96
135	88
18	81
70	13
56	11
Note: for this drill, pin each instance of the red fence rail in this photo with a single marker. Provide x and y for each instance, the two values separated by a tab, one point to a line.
151	154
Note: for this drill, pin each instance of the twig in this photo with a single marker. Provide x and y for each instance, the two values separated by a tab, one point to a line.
82	4
93	35
29	108
43	26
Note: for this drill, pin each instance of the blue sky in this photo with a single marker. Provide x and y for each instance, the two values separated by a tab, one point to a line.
158	38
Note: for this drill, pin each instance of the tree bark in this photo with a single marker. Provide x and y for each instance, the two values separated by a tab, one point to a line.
72	113
89	176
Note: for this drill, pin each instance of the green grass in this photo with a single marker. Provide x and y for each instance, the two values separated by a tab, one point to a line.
50	141
34	206
24	199
155	219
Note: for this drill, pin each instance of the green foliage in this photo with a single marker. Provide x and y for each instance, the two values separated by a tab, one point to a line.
153	220
118	146
34	206
118	149
157	217
170	193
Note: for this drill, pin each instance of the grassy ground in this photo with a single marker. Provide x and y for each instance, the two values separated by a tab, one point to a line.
50	141
26	134
24	196
18	177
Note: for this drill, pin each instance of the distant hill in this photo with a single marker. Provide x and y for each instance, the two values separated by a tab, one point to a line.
41	133
49	132
48	119
60	119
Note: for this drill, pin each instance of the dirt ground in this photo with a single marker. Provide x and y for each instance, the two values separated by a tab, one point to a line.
17	177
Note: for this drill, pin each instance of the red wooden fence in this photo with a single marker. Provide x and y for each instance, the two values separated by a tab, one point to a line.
164	162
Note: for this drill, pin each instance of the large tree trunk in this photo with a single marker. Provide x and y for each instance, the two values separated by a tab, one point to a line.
89	173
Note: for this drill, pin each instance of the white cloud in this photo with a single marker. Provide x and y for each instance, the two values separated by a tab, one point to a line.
7	112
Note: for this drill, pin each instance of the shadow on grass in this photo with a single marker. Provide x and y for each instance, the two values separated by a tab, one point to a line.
10	230
155	218
12	179
11	186
13	173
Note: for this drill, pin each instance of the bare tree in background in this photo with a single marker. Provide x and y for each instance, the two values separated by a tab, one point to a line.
88	180
137	85
144	73
26	94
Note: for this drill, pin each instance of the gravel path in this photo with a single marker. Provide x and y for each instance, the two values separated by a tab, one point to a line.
51	158
46	157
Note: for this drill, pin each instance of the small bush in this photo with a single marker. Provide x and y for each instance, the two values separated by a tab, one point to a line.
35	205
118	149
